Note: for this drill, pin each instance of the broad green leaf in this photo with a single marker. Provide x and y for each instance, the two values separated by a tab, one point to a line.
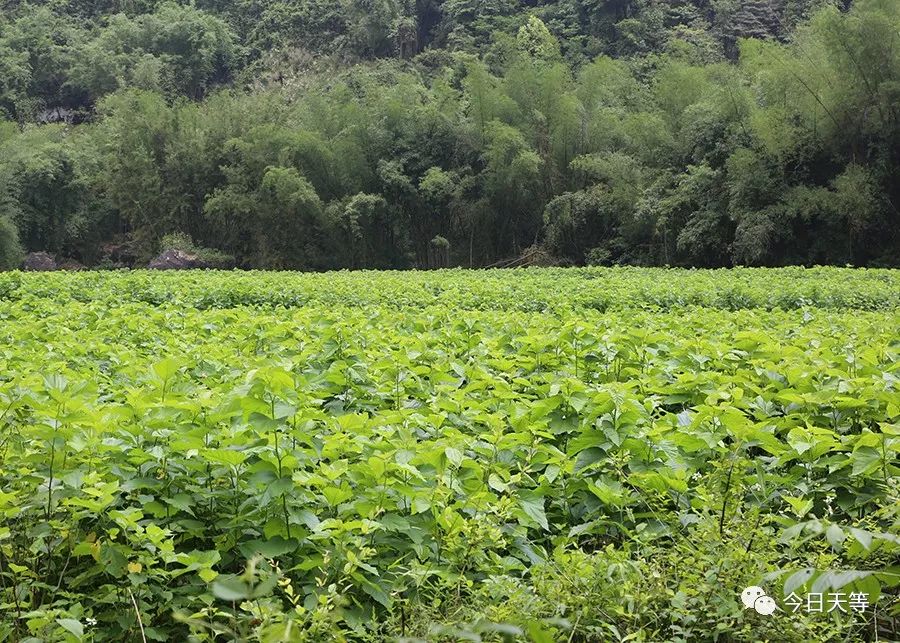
455	456
230	588
533	505
72	626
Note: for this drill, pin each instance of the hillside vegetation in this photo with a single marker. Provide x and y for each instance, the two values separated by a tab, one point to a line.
368	133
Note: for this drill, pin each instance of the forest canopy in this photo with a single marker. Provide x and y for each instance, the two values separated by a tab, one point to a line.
361	133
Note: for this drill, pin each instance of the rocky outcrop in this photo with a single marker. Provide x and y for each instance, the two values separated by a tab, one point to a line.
176	260
120	252
71	264
39	262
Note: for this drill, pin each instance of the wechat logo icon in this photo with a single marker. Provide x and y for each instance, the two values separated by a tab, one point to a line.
755	597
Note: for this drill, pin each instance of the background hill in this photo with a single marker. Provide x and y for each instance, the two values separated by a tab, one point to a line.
383	133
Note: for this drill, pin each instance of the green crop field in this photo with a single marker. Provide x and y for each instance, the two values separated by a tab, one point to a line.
538	455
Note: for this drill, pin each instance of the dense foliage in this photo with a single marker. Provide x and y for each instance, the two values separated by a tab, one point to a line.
352	134
199	456
620	288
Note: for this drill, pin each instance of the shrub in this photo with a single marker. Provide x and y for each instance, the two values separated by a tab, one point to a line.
181	241
11	252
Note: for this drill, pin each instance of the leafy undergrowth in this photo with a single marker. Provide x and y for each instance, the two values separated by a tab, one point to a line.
379	470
